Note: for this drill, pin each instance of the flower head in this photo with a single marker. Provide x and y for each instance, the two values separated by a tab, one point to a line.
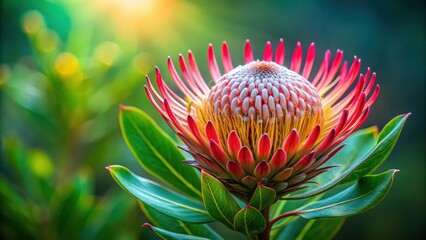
264	121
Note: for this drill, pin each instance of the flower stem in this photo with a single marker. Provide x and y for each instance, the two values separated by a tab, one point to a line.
265	234
287	214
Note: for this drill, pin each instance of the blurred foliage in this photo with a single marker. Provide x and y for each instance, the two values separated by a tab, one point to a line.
60	102
65	65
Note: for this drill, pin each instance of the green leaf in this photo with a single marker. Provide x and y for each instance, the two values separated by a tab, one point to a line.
218	201
386	142
160	198
250	222
167	235
363	195
156	152
262	197
367	163
303	229
163	221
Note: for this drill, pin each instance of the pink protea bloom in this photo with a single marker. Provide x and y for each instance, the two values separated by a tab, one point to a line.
264	121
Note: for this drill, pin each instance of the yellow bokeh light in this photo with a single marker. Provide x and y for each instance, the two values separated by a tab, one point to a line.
4	74
139	17
143	63
107	53
67	64
40	163
32	21
68	67
46	40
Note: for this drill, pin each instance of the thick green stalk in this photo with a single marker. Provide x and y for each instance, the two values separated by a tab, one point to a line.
266	233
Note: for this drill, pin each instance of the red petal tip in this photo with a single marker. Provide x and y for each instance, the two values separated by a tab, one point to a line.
211	132
245	159
263	147
235	169
147	225
217	153
278	160
262	169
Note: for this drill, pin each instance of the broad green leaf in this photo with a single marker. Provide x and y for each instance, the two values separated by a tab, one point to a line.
386	141
160	198
167	235
304	229
218	201
170	224
366	193
250	222
156	152
262	197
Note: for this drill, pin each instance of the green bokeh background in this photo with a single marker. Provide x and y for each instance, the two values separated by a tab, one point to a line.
389	36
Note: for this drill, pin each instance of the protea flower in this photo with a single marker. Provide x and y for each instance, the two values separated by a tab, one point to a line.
265	121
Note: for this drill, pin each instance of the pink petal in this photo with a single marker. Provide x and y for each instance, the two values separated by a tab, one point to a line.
290	143
324	159
296	60
212	64
328	140
310	57
218	154
262	169
305	162
342	121
235	170
196	73
312	138
226	58
263	147
188	77
371	82
178	80
245	159
278	160
333	70
267	53
194	130
248	52
173	118
323	69
211	165
280	53
151	99
234	144
374	96
211	132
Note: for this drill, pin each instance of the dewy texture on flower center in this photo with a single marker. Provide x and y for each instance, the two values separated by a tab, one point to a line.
260	94
265	90
264	121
